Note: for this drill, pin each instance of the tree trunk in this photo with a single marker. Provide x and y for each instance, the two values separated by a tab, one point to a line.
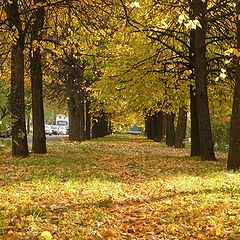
206	143
17	103
39	138
77	117
170	136
195	142
100	126
74	110
181	128
19	135
234	147
76	99
148	126
82	119
71	110
159	125
88	121
154	122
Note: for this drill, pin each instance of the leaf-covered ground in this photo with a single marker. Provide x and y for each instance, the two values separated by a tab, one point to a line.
119	187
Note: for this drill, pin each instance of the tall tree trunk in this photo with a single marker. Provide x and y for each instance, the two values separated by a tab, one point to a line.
159	125
19	135
88	120
71	109
206	143
181	128
39	138
170	136
76	117
154	123
155	126
75	91
17	103
151	126
100	126
148	126
195	138
234	147
82	119
87	110
195	141
74	110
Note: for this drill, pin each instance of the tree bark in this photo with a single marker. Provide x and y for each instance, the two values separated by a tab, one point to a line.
17	103
82	119
170	135
19	135
76	112
100	126
154	124
181	128
205	133
75	74
87	110
88	120
39	138
159	125
71	109
195	141
150	125
234	147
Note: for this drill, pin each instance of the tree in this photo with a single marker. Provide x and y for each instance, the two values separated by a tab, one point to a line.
234	147
170	131
19	136
207	19
100	125
180	134
200	66
39	138
76	100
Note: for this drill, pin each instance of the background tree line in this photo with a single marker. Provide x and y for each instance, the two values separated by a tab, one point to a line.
159	59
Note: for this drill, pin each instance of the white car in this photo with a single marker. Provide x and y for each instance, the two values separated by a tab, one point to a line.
48	130
55	130
62	130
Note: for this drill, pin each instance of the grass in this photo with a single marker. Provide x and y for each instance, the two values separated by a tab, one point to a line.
118	187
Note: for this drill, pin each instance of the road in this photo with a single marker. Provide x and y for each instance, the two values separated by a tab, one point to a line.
53	138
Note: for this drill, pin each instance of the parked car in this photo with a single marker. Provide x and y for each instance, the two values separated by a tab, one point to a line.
55	129
48	130
62	130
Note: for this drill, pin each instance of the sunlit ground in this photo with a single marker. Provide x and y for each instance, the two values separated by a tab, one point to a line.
119	187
